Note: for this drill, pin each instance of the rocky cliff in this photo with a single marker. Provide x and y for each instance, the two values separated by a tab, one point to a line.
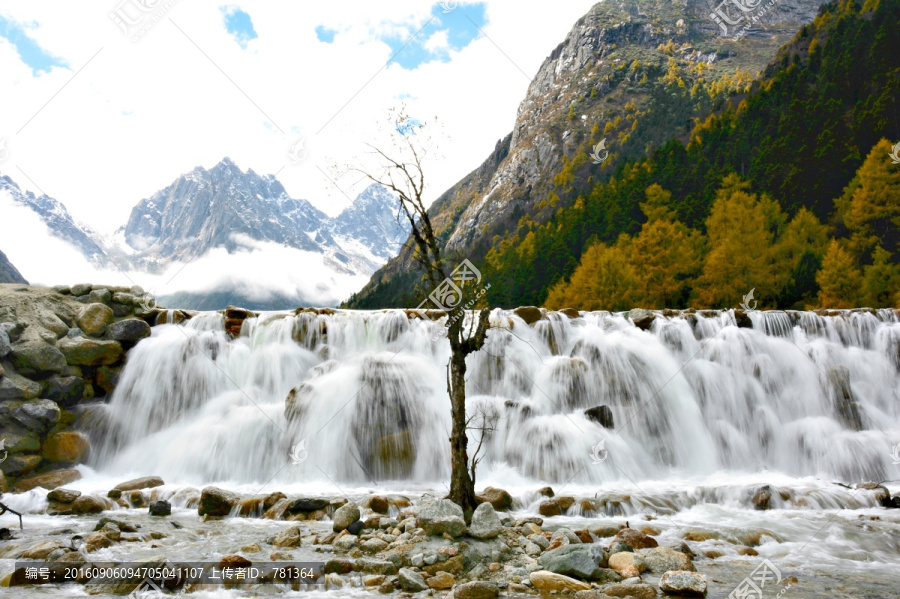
604	81
8	272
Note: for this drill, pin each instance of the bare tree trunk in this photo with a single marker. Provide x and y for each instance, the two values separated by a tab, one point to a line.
462	485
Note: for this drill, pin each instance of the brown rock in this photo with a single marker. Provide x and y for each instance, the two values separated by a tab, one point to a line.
272	499
94	318
549	508
379	504
454	565
96	541
90	504
63	495
290	537
544	580
67	446
565	502
637	591
41	550
441	581
627	564
48	480
146	482
500	499
529	314
635	539
235	561
216	502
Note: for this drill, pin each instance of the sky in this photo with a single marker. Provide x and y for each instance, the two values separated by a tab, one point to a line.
104	102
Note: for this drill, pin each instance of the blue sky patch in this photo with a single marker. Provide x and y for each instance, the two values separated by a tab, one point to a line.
29	50
325	34
446	32
239	25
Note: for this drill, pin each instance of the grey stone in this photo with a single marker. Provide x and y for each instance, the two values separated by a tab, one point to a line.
94	317
81	351
411	581
477	589
344	516
36	359
16	386
80	289
129	330
37	415
100	296
307	504
5	346
485	522
160	508
681	582
368	565
442	516
584	561
66	391
663	559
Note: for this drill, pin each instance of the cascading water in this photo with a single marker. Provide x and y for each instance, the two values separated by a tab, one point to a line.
365	393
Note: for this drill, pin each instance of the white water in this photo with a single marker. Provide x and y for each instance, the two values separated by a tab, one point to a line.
371	404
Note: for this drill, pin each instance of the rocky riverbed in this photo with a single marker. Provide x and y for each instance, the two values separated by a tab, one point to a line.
404	545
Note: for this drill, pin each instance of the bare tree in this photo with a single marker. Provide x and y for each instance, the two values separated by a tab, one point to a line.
400	170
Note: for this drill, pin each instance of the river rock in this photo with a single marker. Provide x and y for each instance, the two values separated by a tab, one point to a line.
641	318
529	314
94	317
38	415
346	542
16	386
100	296
41	550
549	508
136	484
160	508
663	559
81	351
681	582
637	591
67	446
63	495
635	539
307	504
441	581
477	589
20	465
628	565
587	562
411	581
66	391
544	580
500	499
762	498
369	565
290	537
602	415
26	442
129	330
216	502
90	504
37	359
379	505
373	545
442	516
485	522
47	480
344	516
80	289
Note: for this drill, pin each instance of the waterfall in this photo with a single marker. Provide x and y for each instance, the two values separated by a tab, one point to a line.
362	397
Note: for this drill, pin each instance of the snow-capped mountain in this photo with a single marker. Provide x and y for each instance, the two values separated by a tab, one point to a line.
224	209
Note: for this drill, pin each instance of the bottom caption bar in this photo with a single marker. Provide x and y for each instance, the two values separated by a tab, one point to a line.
169	576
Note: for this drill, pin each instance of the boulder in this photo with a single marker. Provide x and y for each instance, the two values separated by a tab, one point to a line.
81	351
136	484
66	391
373	545
379	504
80	289
641	318
63	495
569	312
454	565
546	491
441	581
587	562
94	317
344	516
529	314
635	539
500	499
234	561
90	504
216	502
5	346
602	415
681	582
100	296
129	330
160	508
663	559
338	566
47	480
477	589
41	550
370	565
307	504
67	446
20	465
762	498
485	522
549	508
544	580
16	386
411	581
39	415
627	564
27	442
37	359
290	537
441	517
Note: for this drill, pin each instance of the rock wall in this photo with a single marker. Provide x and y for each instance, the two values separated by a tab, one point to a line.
61	349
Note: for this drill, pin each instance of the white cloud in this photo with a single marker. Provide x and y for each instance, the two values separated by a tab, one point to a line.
139	114
437	42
